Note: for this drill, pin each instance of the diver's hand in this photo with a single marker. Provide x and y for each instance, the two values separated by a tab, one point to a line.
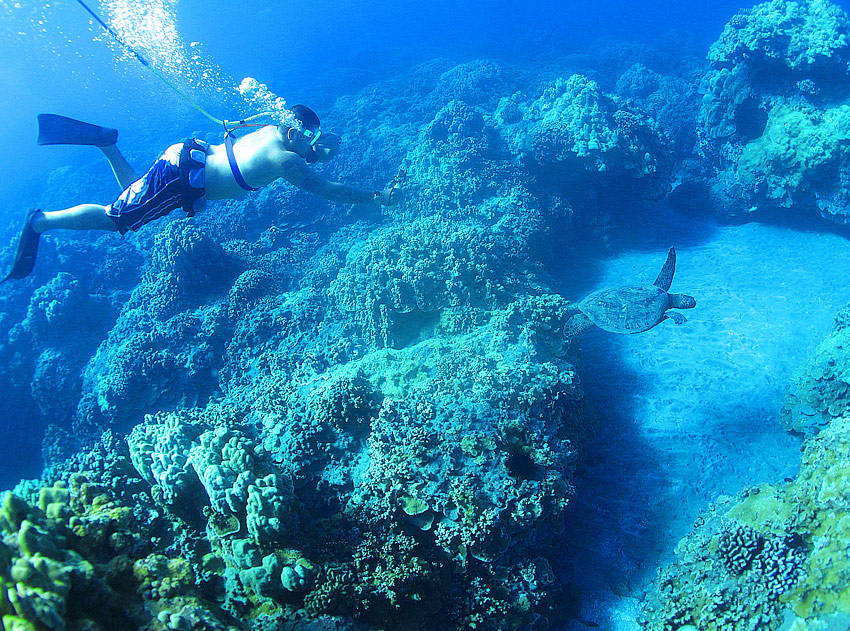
391	196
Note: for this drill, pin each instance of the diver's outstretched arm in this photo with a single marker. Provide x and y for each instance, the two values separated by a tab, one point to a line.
295	171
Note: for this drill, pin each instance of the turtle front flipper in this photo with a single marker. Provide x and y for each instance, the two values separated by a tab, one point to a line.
665	276
577	324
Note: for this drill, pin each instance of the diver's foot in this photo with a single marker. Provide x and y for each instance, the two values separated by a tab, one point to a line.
27	248
61	130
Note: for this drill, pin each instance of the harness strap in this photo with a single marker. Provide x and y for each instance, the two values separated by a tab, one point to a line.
234	168
187	165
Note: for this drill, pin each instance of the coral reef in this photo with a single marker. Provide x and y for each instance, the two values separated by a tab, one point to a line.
773	557
575	126
304	416
820	388
63	304
69	563
186	264
773	123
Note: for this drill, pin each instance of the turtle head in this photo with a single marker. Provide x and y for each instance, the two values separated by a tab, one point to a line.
682	301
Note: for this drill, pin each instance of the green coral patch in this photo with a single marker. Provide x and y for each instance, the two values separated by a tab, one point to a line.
798	149
790	555
412	505
765	506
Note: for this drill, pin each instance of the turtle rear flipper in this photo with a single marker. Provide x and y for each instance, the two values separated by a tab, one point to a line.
677	317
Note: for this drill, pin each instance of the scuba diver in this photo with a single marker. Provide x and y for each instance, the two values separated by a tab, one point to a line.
190	173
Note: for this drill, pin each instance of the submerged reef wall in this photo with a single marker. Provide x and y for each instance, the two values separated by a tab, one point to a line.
773	126
329	418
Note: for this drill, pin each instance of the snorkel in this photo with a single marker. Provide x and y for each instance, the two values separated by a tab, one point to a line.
312	136
312	152
325	150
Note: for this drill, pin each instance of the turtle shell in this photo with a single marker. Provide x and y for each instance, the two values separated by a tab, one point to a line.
628	309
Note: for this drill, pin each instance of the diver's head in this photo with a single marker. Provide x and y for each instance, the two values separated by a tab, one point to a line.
310	142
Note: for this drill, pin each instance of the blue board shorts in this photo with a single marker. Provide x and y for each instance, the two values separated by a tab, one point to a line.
176	180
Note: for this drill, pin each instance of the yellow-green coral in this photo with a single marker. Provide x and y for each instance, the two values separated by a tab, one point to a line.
168	577
476	445
798	148
820	388
809	516
40	556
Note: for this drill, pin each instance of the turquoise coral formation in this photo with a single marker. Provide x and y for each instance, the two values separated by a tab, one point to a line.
579	128
303	415
367	421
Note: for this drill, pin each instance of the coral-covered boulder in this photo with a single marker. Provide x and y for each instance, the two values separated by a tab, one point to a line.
772	557
577	130
773	125
820	388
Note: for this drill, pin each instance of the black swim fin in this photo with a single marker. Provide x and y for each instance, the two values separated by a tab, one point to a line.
61	130
27	249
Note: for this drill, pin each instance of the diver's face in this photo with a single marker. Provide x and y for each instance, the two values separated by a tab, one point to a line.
298	142
326	147
323	149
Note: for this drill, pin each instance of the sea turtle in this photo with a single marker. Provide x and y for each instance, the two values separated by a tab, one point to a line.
632	308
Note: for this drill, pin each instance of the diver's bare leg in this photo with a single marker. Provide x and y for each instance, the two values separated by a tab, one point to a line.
82	217
124	173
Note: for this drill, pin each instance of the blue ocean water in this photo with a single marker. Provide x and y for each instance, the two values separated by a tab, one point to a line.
427	333
56	58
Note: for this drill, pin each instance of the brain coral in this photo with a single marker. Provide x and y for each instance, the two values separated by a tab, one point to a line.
773	557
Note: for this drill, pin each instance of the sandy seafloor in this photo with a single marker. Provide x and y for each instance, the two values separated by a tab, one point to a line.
687	413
